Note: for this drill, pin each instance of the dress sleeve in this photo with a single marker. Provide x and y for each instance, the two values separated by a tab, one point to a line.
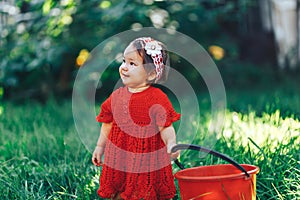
105	114
165	114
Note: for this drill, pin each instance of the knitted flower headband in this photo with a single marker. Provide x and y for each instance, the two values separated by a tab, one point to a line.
153	48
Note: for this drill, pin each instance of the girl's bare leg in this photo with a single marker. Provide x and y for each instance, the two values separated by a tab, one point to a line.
117	197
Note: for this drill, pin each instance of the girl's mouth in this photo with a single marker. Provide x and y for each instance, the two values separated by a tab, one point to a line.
125	75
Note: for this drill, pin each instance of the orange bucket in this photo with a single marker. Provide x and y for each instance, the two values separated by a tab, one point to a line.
216	182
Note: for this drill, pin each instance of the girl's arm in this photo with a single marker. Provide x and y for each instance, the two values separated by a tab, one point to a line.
99	150
169	137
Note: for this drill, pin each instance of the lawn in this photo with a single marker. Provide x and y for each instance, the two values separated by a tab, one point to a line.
42	157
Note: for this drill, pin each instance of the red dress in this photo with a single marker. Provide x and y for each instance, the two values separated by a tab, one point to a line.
136	163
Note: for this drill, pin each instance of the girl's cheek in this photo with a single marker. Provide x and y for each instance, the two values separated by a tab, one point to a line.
121	67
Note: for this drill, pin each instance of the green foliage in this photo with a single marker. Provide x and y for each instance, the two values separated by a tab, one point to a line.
39	45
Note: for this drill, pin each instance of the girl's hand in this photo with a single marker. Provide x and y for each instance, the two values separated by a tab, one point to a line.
97	156
174	155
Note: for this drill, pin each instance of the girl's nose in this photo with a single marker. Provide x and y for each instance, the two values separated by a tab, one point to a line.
124	67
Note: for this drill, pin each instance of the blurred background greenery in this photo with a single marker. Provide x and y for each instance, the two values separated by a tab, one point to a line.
43	43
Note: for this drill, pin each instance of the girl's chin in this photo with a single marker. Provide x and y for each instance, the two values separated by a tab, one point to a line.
124	82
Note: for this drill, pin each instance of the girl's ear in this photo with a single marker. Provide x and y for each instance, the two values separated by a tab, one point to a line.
152	76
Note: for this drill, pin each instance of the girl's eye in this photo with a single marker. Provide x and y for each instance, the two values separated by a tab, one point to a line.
132	63
123	60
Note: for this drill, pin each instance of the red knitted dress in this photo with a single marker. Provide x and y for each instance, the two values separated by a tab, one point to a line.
136	163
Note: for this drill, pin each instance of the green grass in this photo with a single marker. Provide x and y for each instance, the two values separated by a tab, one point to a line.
41	156
258	131
269	142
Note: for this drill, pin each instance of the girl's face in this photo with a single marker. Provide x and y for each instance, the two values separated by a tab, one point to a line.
132	71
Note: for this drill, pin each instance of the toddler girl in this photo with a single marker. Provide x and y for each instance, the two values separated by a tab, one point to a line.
137	135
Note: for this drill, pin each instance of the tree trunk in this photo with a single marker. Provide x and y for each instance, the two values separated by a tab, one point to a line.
298	38
265	15
284	22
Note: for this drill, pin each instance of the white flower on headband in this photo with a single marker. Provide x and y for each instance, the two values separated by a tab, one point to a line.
153	48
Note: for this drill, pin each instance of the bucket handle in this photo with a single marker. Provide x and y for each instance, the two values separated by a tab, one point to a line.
206	150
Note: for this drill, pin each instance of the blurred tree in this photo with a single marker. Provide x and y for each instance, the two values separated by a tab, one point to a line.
39	46
281	18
